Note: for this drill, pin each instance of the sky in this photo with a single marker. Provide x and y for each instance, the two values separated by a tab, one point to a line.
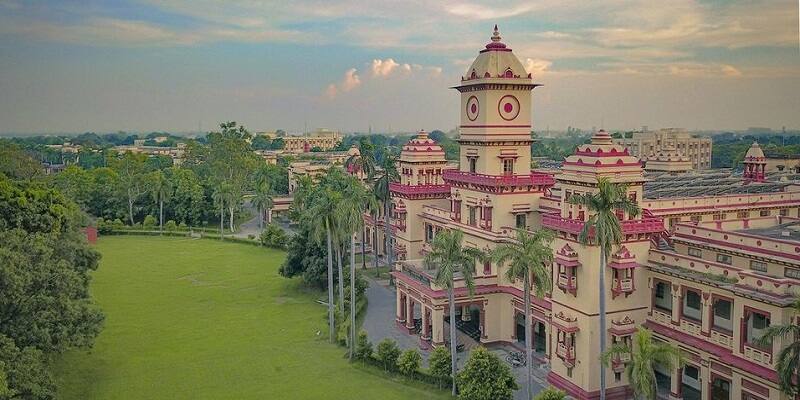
187	65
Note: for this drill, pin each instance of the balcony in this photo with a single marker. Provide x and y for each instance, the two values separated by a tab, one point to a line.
420	190
691	327
618	362
622	286
722	339
758	355
629	227
663	317
566	353
567	283
457	177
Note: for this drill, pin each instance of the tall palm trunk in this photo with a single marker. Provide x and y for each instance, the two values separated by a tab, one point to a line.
161	215
221	222
528	335
387	233
602	304
261	218
364	248
375	247
330	283
453	339
341	278
353	294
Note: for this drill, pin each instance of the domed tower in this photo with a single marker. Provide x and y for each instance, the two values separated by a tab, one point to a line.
575	300
495	140
421	164
755	164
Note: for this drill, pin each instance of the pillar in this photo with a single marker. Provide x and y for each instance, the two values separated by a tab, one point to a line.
707	310
465	316
677	305
676	384
483	323
400	307
437	319
409	312
426	320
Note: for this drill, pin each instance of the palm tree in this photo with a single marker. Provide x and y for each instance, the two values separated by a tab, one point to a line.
529	258
788	364
603	228
645	355
220	196
161	190
381	180
323	200
262	201
350	217
364	162
450	258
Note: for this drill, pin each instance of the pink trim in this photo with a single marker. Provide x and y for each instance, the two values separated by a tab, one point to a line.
725	355
494	126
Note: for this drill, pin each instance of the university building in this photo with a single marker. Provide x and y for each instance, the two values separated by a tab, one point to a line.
648	144
712	260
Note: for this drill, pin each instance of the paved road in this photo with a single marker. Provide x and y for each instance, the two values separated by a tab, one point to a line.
380	324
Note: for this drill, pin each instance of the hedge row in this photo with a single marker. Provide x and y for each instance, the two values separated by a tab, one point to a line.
419	375
181	234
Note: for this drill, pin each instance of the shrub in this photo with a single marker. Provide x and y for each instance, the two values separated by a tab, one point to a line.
170	226
439	365
274	236
363	346
409	362
550	393
103	226
149	222
118	224
486	377
182	226
137	226
387	354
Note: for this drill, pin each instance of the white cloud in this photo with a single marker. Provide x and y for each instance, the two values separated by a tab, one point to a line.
480	12
381	70
350	81
383	67
536	66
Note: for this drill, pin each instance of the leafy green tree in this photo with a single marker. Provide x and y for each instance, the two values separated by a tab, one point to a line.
387	353
363	346
45	266
363	163
131	171
305	257
604	230
386	174
76	183
440	365
645	356
16	163
276	176
486	377
104	198
550	393
274	237
529	258
161	191
409	362
276	144
449	258
230	161
788	361
188	201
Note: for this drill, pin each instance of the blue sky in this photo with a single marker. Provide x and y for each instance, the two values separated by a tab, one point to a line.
73	66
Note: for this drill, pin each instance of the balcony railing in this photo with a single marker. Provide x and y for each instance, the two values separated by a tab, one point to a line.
662	317
566	353
567	282
620	286
419	189
532	179
629	227
758	355
619	360
722	339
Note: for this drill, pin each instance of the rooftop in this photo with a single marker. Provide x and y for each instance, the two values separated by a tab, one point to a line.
700	183
788	231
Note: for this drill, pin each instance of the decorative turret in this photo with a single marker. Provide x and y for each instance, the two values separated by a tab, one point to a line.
668	159
755	164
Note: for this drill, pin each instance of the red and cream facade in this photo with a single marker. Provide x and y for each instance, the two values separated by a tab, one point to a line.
709	284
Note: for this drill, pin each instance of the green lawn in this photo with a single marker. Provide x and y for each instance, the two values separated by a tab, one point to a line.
200	319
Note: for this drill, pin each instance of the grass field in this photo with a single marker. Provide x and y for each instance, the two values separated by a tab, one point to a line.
200	319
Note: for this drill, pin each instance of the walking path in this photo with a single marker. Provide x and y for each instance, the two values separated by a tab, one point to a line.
380	324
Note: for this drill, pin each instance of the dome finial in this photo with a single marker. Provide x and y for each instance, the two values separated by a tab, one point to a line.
496	34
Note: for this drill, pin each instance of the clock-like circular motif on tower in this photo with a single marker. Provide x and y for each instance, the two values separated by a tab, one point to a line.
508	107
473	108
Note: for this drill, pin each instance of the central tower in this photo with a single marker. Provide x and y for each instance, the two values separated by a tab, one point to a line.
496	113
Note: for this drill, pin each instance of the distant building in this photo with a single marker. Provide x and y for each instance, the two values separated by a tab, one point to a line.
647	144
323	139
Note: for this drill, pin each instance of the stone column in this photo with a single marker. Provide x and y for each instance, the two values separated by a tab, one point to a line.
676	384
677	304
707	310
483	323
409	313
426	320
437	319
400	306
